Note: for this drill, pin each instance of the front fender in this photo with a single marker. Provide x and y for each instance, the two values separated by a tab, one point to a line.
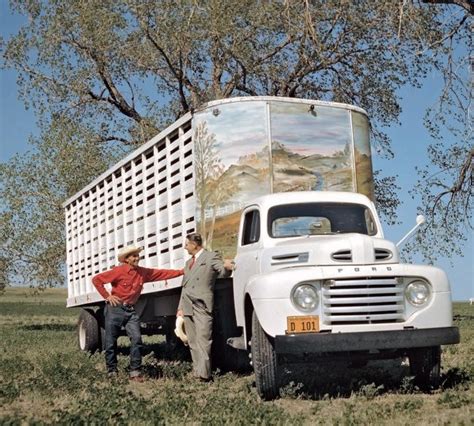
270	295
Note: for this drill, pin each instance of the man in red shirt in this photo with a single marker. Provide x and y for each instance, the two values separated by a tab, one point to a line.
127	281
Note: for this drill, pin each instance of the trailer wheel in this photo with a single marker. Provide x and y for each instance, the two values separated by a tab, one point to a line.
264	362
425	365
88	331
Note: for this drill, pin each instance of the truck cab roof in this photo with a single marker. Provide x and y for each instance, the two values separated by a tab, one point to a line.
270	200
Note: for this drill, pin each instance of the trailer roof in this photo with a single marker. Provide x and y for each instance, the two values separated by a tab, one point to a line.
187	117
280	99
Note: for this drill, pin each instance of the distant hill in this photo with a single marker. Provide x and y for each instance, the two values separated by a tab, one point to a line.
292	172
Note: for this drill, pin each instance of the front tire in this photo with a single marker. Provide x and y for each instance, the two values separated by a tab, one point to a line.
425	365
264	362
88	331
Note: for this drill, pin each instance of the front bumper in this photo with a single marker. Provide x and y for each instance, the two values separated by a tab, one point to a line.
314	343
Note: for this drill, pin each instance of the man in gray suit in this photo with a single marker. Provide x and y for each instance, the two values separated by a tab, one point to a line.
197	301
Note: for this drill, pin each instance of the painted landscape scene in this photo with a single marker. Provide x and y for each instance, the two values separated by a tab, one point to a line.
310	151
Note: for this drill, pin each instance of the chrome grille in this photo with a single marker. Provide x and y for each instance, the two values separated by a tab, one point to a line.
363	301
382	254
342	256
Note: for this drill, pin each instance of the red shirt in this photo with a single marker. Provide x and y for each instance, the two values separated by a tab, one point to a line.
127	282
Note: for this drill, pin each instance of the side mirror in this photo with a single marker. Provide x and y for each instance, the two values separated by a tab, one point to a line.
420	220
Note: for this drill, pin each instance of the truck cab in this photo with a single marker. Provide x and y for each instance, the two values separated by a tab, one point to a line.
314	275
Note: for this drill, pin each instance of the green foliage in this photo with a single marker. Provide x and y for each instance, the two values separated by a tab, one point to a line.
386	197
446	192
409	404
33	187
292	390
370	391
455	398
407	385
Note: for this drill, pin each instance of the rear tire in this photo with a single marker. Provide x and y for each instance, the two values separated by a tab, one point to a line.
264	361
425	365
88	331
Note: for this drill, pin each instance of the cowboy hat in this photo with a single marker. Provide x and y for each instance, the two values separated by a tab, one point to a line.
179	330
126	251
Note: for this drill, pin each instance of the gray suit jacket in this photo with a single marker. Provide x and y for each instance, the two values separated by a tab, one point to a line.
198	282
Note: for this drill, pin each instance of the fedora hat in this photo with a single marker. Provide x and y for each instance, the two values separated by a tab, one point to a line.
124	252
179	330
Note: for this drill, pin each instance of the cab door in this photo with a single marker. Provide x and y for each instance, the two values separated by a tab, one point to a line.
247	261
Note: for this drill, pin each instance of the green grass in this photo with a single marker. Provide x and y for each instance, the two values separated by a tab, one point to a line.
44	378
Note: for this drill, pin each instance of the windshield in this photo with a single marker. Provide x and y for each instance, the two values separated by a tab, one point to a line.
293	220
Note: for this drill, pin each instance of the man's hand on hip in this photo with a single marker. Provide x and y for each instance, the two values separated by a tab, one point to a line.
114	300
179	313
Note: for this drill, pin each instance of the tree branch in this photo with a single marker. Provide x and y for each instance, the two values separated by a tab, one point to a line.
457	188
178	74
116	98
465	4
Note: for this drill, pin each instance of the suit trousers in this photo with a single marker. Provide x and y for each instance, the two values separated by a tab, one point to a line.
198	328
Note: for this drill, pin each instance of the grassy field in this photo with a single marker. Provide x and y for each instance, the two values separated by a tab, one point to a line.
46	379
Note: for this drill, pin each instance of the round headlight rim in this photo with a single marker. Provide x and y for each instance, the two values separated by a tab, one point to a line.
426	284
315	287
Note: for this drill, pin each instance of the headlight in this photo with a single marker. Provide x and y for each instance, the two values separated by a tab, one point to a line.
417	292
305	297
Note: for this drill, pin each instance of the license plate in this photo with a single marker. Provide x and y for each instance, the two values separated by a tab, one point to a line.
302	324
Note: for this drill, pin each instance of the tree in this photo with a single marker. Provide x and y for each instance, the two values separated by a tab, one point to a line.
447	197
3	274
89	59
66	158
206	167
222	188
124	68
445	186
466	4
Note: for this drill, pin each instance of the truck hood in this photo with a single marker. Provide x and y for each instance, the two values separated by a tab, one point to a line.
329	250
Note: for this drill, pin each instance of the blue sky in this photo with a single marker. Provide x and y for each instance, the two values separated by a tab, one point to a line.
410	140
249	138
332	132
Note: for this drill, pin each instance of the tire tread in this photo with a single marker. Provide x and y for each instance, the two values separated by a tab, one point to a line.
425	365
88	320
264	362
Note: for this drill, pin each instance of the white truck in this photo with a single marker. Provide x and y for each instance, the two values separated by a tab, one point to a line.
284	187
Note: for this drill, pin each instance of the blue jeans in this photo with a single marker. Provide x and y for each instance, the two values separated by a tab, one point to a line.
117	317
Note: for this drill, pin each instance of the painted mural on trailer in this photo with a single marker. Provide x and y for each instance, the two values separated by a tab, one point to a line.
311	149
231	164
363	158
